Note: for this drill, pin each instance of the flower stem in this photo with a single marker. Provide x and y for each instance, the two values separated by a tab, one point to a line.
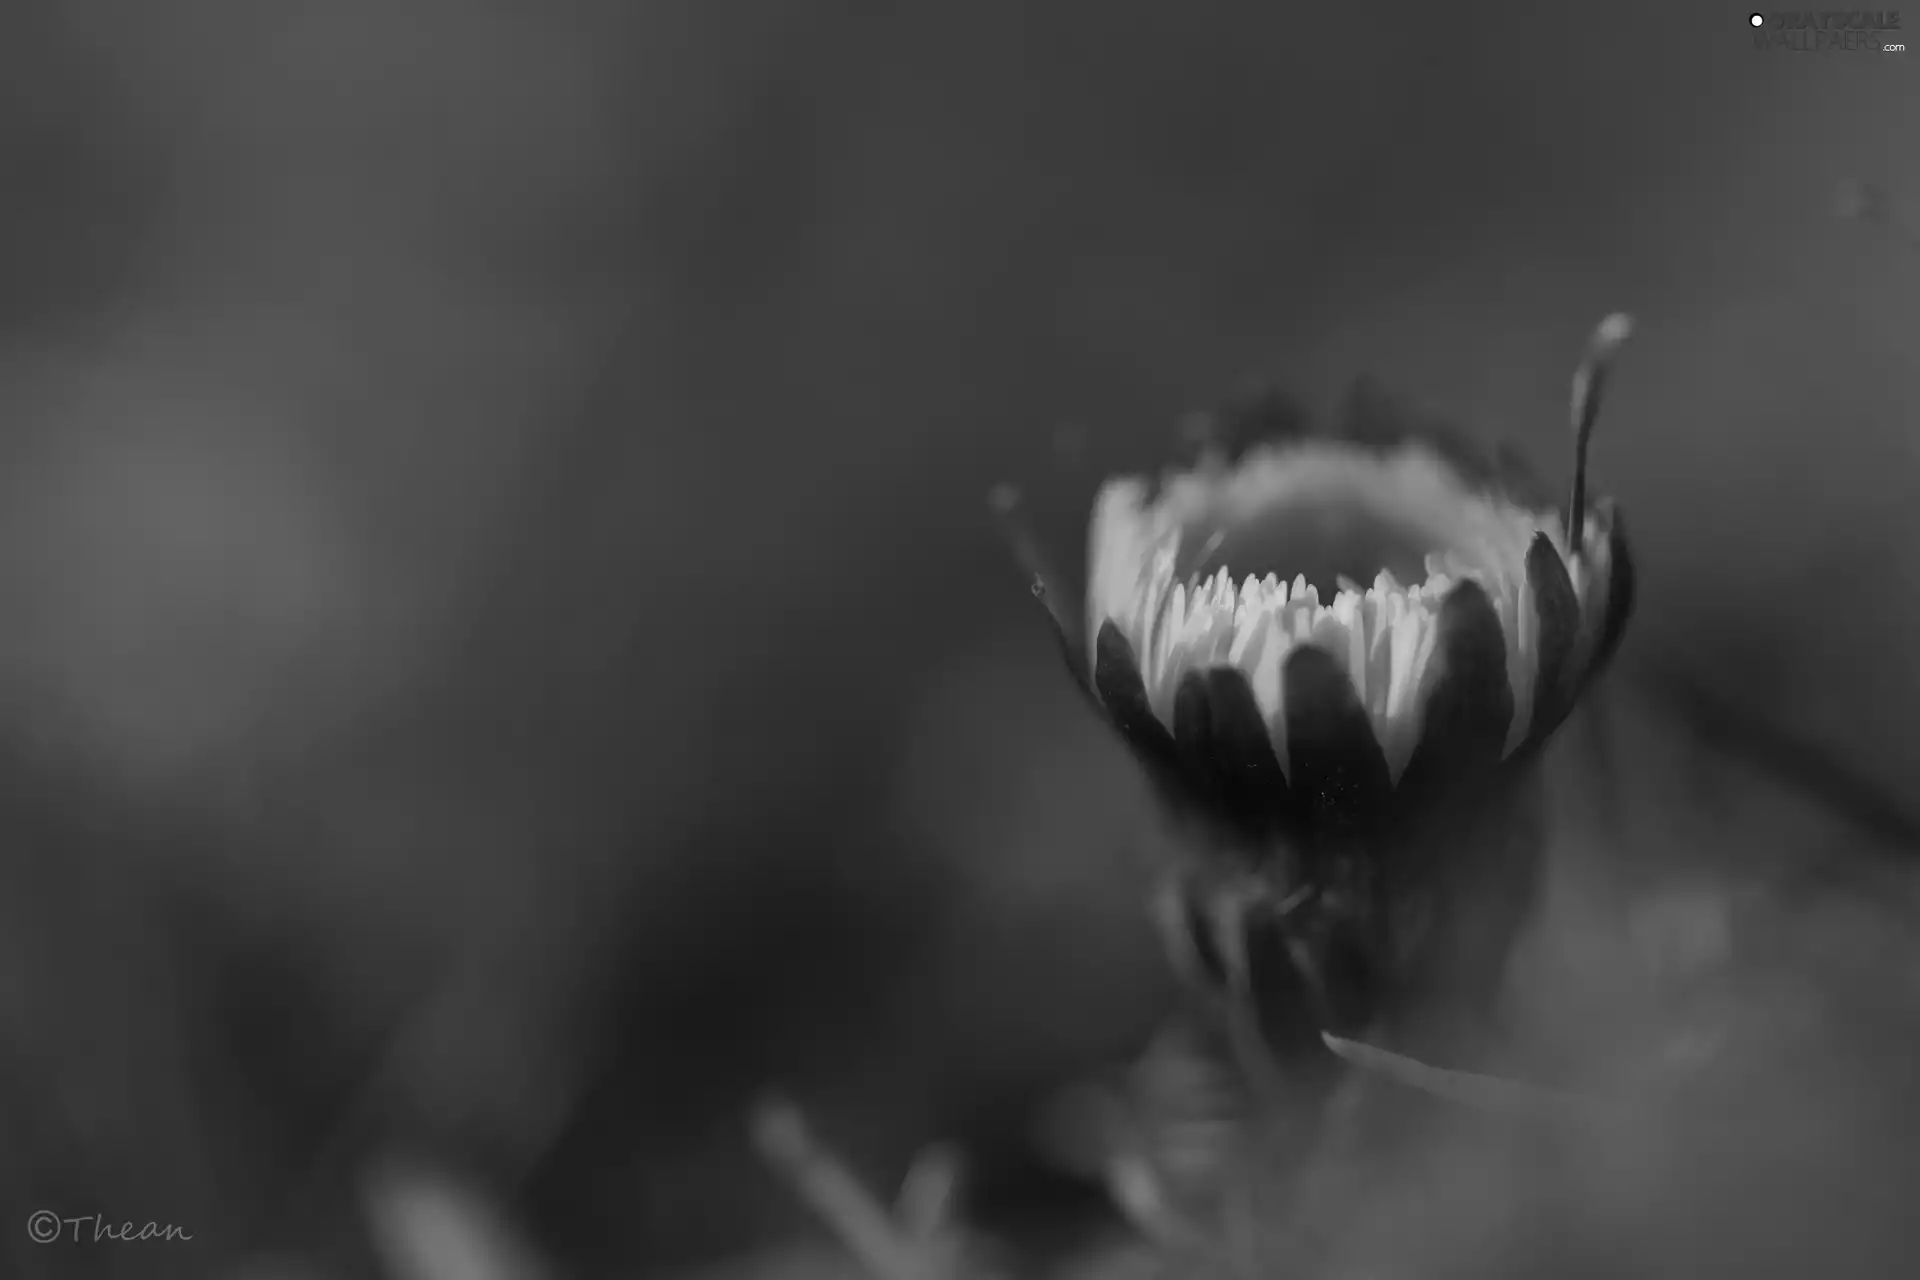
1589	383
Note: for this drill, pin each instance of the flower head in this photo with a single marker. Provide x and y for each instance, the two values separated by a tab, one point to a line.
1314	633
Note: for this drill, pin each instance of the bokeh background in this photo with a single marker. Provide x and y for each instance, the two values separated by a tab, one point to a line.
504	657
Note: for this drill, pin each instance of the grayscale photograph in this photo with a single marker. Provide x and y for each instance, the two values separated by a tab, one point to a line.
815	640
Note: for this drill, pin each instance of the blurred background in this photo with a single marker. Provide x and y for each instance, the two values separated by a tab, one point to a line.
504	657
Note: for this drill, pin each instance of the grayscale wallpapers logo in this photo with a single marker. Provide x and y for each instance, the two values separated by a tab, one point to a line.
1828	31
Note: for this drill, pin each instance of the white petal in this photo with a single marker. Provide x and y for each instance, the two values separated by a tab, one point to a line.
1116	554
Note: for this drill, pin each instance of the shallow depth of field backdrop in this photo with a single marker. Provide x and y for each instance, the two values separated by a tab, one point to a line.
494	588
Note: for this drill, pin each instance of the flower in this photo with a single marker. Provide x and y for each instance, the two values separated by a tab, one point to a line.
1313	634
1338	653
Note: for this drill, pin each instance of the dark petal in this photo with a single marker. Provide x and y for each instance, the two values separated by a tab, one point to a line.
1557	612
1620	591
1193	738
1469	704
1243	745
1223	738
1339	774
1193	721
1123	695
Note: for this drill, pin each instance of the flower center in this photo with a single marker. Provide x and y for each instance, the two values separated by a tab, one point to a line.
1327	539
